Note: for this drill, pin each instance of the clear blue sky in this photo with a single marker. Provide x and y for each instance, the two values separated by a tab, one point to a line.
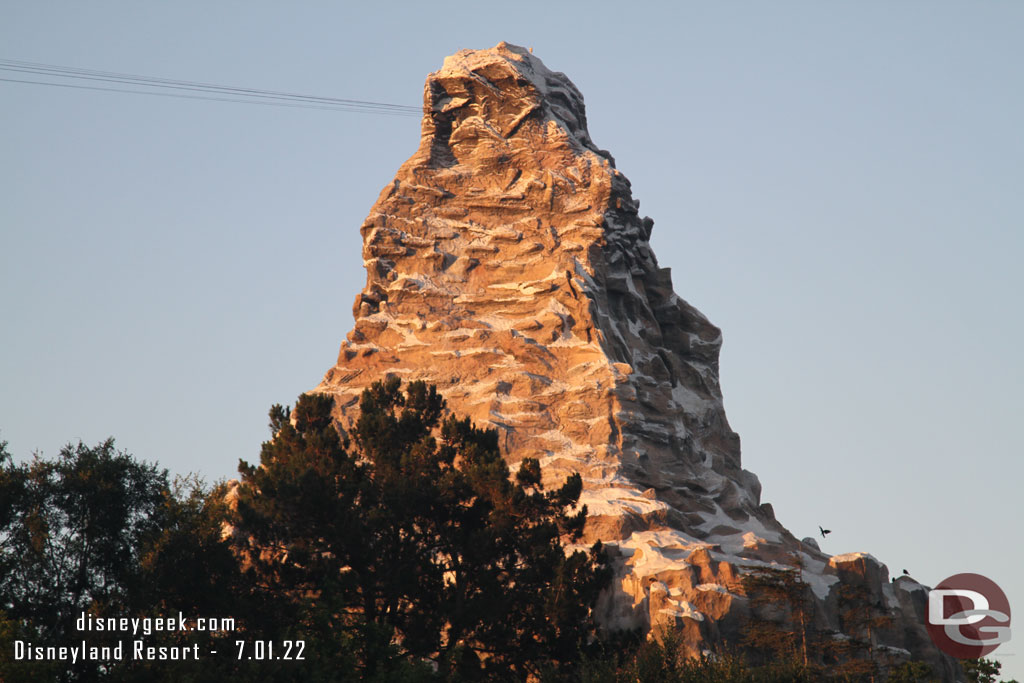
839	187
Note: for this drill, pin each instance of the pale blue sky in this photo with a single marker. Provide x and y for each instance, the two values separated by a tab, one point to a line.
837	186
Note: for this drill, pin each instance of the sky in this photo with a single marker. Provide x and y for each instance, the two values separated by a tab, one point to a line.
838	186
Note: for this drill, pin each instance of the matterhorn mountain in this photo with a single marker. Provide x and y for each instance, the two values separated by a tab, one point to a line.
508	264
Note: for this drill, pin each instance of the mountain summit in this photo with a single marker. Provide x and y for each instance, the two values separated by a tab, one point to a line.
508	264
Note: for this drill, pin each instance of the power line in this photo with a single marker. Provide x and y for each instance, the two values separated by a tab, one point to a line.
150	81
201	97
165	87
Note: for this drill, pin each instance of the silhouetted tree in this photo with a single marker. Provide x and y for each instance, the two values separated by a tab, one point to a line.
982	670
71	534
99	532
413	543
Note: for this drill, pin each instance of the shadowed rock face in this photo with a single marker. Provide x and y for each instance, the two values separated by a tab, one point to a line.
507	263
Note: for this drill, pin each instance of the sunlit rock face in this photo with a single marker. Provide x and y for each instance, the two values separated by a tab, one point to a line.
507	263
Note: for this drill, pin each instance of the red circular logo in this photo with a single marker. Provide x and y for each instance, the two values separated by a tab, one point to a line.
968	616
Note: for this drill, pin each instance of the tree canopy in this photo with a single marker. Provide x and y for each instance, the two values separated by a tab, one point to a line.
72	529
414	543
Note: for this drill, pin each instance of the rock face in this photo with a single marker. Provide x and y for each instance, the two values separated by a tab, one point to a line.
507	263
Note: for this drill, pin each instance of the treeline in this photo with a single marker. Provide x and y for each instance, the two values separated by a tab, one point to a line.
408	553
405	553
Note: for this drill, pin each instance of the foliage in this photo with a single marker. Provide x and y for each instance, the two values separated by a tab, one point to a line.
861	617
99	532
778	597
71	531
406	552
982	670
781	628
416	544
664	660
911	672
188	569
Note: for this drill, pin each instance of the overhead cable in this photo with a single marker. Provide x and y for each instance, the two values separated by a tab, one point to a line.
150	85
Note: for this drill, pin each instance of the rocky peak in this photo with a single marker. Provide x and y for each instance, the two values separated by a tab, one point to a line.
486	96
508	263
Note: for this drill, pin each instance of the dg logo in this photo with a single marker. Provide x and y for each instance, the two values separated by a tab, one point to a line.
968	616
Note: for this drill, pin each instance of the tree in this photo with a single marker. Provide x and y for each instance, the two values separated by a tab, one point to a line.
982	670
782	597
911	672
189	568
71	531
665	660
412	543
97	531
860	618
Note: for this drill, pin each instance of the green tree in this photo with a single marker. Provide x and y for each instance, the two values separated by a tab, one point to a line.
71	533
982	670
190	568
97	531
911	672
413	543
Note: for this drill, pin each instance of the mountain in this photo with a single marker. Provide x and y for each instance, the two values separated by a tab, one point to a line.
507	263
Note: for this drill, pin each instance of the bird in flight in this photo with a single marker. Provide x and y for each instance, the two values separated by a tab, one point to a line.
824	532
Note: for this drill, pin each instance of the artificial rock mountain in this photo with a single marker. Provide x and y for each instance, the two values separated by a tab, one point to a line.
507	264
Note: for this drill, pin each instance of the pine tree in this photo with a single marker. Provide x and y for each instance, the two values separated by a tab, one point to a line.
982	670
412	543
